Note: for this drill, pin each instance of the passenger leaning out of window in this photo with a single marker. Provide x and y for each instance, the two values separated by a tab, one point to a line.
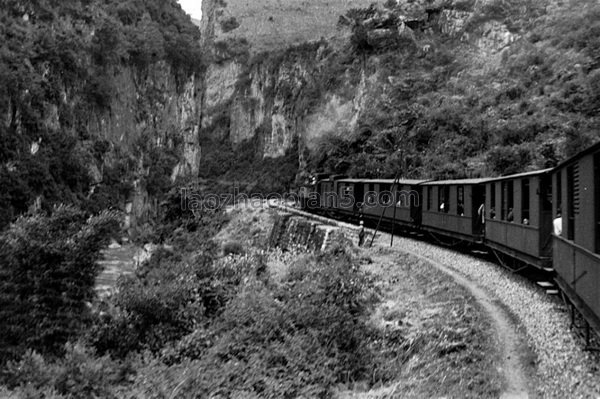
510	217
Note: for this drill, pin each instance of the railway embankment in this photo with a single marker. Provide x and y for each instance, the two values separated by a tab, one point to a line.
466	327
560	365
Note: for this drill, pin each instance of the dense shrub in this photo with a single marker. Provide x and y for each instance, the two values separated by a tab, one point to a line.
229	24
48	272
78	374
298	338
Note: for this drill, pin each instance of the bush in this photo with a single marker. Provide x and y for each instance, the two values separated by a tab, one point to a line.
229	24
46	277
79	374
294	339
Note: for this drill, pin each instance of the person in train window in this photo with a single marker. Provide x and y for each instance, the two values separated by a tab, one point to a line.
510	217
442	207
460	209
557	223
492	213
526	222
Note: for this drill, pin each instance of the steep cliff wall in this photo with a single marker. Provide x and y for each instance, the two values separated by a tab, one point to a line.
151	113
270	89
100	104
422	88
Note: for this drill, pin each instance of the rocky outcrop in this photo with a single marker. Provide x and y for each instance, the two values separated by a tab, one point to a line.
278	98
151	109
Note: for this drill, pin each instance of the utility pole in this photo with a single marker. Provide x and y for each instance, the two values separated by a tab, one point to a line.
396	179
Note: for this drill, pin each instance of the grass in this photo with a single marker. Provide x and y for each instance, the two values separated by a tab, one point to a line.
448	349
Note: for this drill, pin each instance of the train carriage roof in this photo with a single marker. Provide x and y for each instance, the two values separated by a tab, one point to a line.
521	175
407	182
457	182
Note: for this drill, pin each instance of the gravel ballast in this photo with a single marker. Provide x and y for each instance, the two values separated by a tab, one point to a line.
564	369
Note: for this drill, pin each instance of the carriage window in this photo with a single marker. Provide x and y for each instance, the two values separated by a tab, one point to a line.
385	196
507	200
525	201
444	199
546	190
460	195
493	201
370	194
347	190
559	191
597	199
429	197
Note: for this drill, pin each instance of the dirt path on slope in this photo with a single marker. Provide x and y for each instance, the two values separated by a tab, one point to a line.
115	262
509	339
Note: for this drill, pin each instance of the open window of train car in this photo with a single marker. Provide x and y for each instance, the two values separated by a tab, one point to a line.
444	198
429	197
507	200
385	197
460	200
370	194
492	205
525	198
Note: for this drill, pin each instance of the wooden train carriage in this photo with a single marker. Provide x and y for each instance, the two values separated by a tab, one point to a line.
398	202
519	216
451	208
576	238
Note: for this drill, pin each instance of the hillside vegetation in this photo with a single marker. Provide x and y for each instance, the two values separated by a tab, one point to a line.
452	106
60	64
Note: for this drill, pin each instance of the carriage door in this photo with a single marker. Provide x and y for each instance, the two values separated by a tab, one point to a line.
415	199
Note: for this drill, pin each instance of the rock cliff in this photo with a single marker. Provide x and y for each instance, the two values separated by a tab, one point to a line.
100	104
424	88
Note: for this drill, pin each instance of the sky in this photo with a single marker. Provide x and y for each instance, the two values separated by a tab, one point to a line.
192	7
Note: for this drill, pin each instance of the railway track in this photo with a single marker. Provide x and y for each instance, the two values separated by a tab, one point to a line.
562	365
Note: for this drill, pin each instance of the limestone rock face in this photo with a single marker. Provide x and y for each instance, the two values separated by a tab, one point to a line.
271	95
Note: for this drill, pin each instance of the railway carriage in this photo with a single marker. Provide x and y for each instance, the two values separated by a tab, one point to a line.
519	217
576	249
398	202
520	213
450	208
372	199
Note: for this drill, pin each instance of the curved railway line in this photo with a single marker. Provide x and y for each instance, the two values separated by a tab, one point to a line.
543	356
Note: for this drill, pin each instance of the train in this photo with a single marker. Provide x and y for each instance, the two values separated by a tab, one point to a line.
547	219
